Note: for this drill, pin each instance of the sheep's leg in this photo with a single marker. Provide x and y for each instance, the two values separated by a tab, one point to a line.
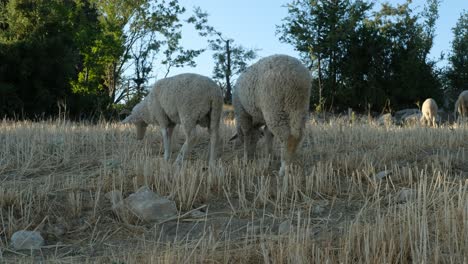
287	127
185	150
268	141
288	152
214	140
250	143
167	140
245	124
434	123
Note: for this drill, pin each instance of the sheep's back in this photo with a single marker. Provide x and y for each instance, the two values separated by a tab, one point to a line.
429	107
186	96
278	81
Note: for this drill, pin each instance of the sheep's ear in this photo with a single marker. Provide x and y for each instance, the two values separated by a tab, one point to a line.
233	137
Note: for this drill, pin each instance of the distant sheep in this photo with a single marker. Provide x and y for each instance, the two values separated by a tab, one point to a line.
461	105
274	92
186	99
429	112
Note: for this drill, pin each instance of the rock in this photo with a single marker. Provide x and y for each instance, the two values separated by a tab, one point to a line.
406	195
379	176
197	214
285	227
386	120
411	119
318	209
406	112
148	206
111	163
27	240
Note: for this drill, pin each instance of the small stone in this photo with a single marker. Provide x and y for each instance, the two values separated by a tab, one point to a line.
285	227
383	174
406	195
318	209
27	240
197	214
111	163
148	206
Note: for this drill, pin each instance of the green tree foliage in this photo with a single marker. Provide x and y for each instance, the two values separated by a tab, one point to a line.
457	73
39	51
362	59
132	34
230	59
89	55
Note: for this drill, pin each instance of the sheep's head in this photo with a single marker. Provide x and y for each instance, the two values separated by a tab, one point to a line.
139	118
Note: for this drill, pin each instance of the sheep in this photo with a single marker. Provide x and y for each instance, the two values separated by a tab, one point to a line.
187	99
461	105
429	112
273	92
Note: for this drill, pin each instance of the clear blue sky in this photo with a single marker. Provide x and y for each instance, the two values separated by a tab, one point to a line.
252	23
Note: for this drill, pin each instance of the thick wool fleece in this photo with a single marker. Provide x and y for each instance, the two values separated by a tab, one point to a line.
186	99
429	112
274	92
461	105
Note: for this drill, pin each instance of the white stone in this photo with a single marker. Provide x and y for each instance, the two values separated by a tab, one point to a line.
27	240
406	195
285	227
383	174
148	206
198	214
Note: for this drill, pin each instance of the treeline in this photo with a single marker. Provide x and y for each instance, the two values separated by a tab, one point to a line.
91	58
375	59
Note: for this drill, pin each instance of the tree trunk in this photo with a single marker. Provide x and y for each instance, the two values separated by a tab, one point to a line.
228	94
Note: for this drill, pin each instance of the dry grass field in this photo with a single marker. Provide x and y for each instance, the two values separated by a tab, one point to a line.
333	209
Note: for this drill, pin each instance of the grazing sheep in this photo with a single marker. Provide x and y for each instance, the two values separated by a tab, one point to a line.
274	92
429	112
461	105
186	99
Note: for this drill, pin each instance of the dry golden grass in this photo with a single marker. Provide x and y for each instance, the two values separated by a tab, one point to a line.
54	174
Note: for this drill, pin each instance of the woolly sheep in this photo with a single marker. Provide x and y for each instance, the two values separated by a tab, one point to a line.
274	92
461	105
429	112
186	99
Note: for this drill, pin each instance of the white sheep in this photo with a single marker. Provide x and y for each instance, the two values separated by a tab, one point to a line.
429	112
461	105
187	99
274	92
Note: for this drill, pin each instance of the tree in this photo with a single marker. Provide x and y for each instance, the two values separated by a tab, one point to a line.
230	59
39	49
361	59
457	73
133	34
320	30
